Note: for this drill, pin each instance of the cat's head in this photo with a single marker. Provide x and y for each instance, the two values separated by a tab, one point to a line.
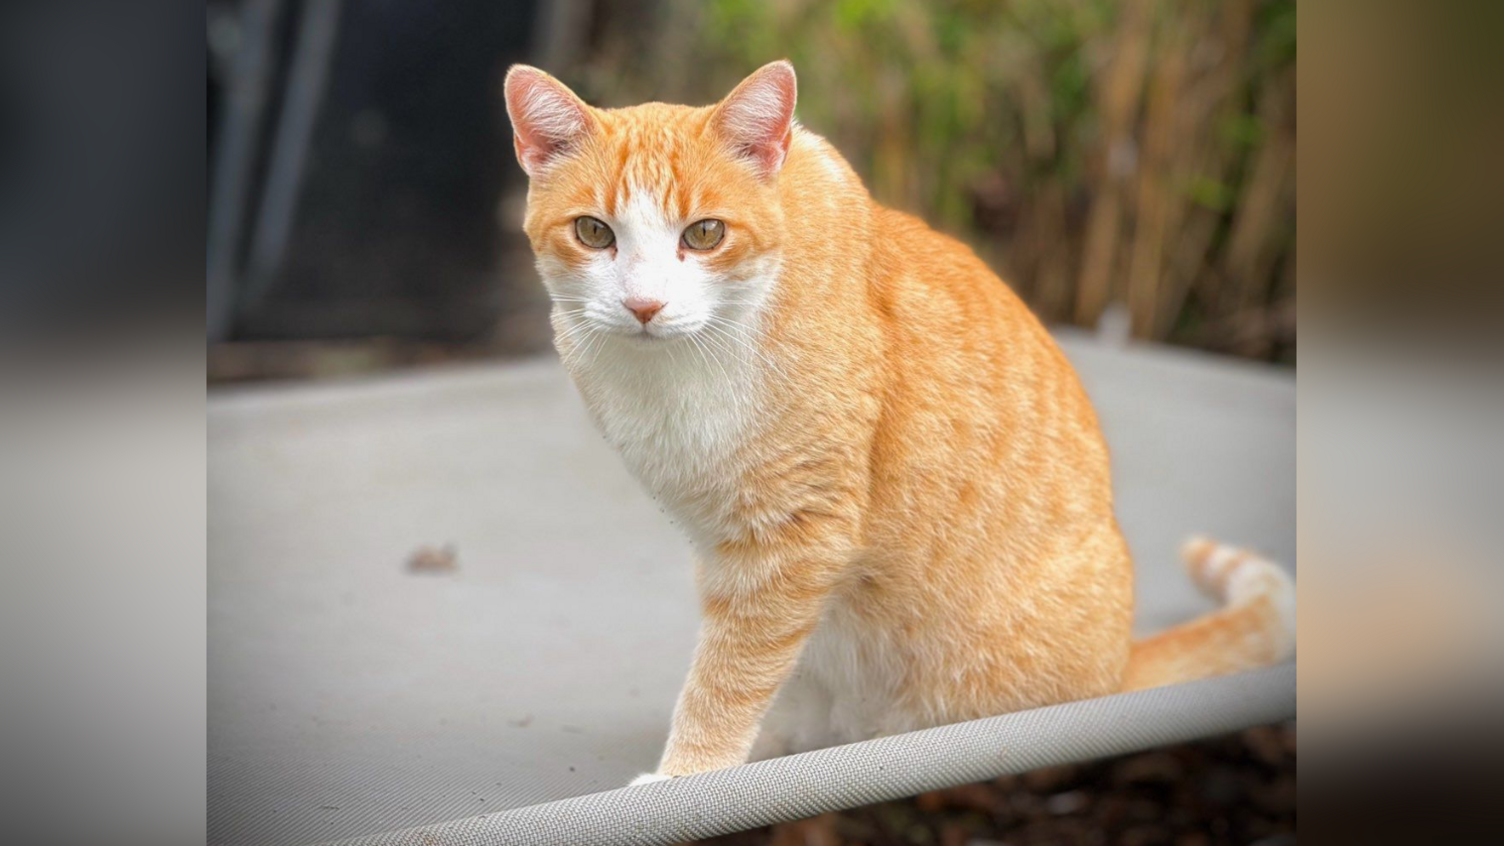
653	221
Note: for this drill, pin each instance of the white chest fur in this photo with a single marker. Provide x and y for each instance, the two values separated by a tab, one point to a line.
679	412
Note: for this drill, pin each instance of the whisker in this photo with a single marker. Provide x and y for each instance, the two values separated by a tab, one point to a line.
711	341
700	351
572	331
718	325
602	337
707	340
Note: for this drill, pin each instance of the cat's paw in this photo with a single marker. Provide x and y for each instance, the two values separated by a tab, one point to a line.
648	778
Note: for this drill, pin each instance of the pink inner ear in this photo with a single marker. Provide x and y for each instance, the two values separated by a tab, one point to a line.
758	117
547	117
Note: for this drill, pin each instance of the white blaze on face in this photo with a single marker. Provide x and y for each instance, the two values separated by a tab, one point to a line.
648	266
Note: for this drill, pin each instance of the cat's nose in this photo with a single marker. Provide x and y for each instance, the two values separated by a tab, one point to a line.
644	309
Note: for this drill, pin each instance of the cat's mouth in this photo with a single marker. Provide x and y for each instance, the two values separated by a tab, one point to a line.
649	333
641	335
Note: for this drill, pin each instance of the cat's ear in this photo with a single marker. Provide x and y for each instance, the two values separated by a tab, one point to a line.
757	119
547	118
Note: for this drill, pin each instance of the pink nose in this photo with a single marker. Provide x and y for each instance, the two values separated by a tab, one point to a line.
644	309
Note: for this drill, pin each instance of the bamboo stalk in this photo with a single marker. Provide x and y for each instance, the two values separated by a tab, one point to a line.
1118	96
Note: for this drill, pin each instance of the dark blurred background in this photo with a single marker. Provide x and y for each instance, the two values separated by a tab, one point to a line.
1134	159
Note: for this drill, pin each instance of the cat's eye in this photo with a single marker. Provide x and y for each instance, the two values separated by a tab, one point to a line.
704	234
594	233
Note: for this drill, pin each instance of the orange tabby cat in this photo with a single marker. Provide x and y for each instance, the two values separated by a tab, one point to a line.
896	487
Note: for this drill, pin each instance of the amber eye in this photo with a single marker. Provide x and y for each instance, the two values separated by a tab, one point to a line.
704	234
593	233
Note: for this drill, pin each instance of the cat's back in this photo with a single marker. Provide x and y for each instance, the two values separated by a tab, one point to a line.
870	267
914	276
960	292
985	422
958	354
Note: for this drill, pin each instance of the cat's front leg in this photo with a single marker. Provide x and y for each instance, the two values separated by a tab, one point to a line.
761	599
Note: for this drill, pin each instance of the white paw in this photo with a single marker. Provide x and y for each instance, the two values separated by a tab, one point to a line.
648	778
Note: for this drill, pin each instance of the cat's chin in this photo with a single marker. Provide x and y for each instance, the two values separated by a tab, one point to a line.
642	339
648	337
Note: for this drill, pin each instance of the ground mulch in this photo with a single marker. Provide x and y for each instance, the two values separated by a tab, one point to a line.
1238	789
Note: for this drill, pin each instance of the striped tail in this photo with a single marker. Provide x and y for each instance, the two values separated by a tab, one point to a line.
1255	626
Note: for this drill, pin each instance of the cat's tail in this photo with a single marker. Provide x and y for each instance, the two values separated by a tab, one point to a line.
1255	626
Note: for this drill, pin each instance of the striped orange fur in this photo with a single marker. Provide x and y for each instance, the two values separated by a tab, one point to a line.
897	489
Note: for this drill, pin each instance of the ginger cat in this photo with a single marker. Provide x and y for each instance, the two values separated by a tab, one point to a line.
897	490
